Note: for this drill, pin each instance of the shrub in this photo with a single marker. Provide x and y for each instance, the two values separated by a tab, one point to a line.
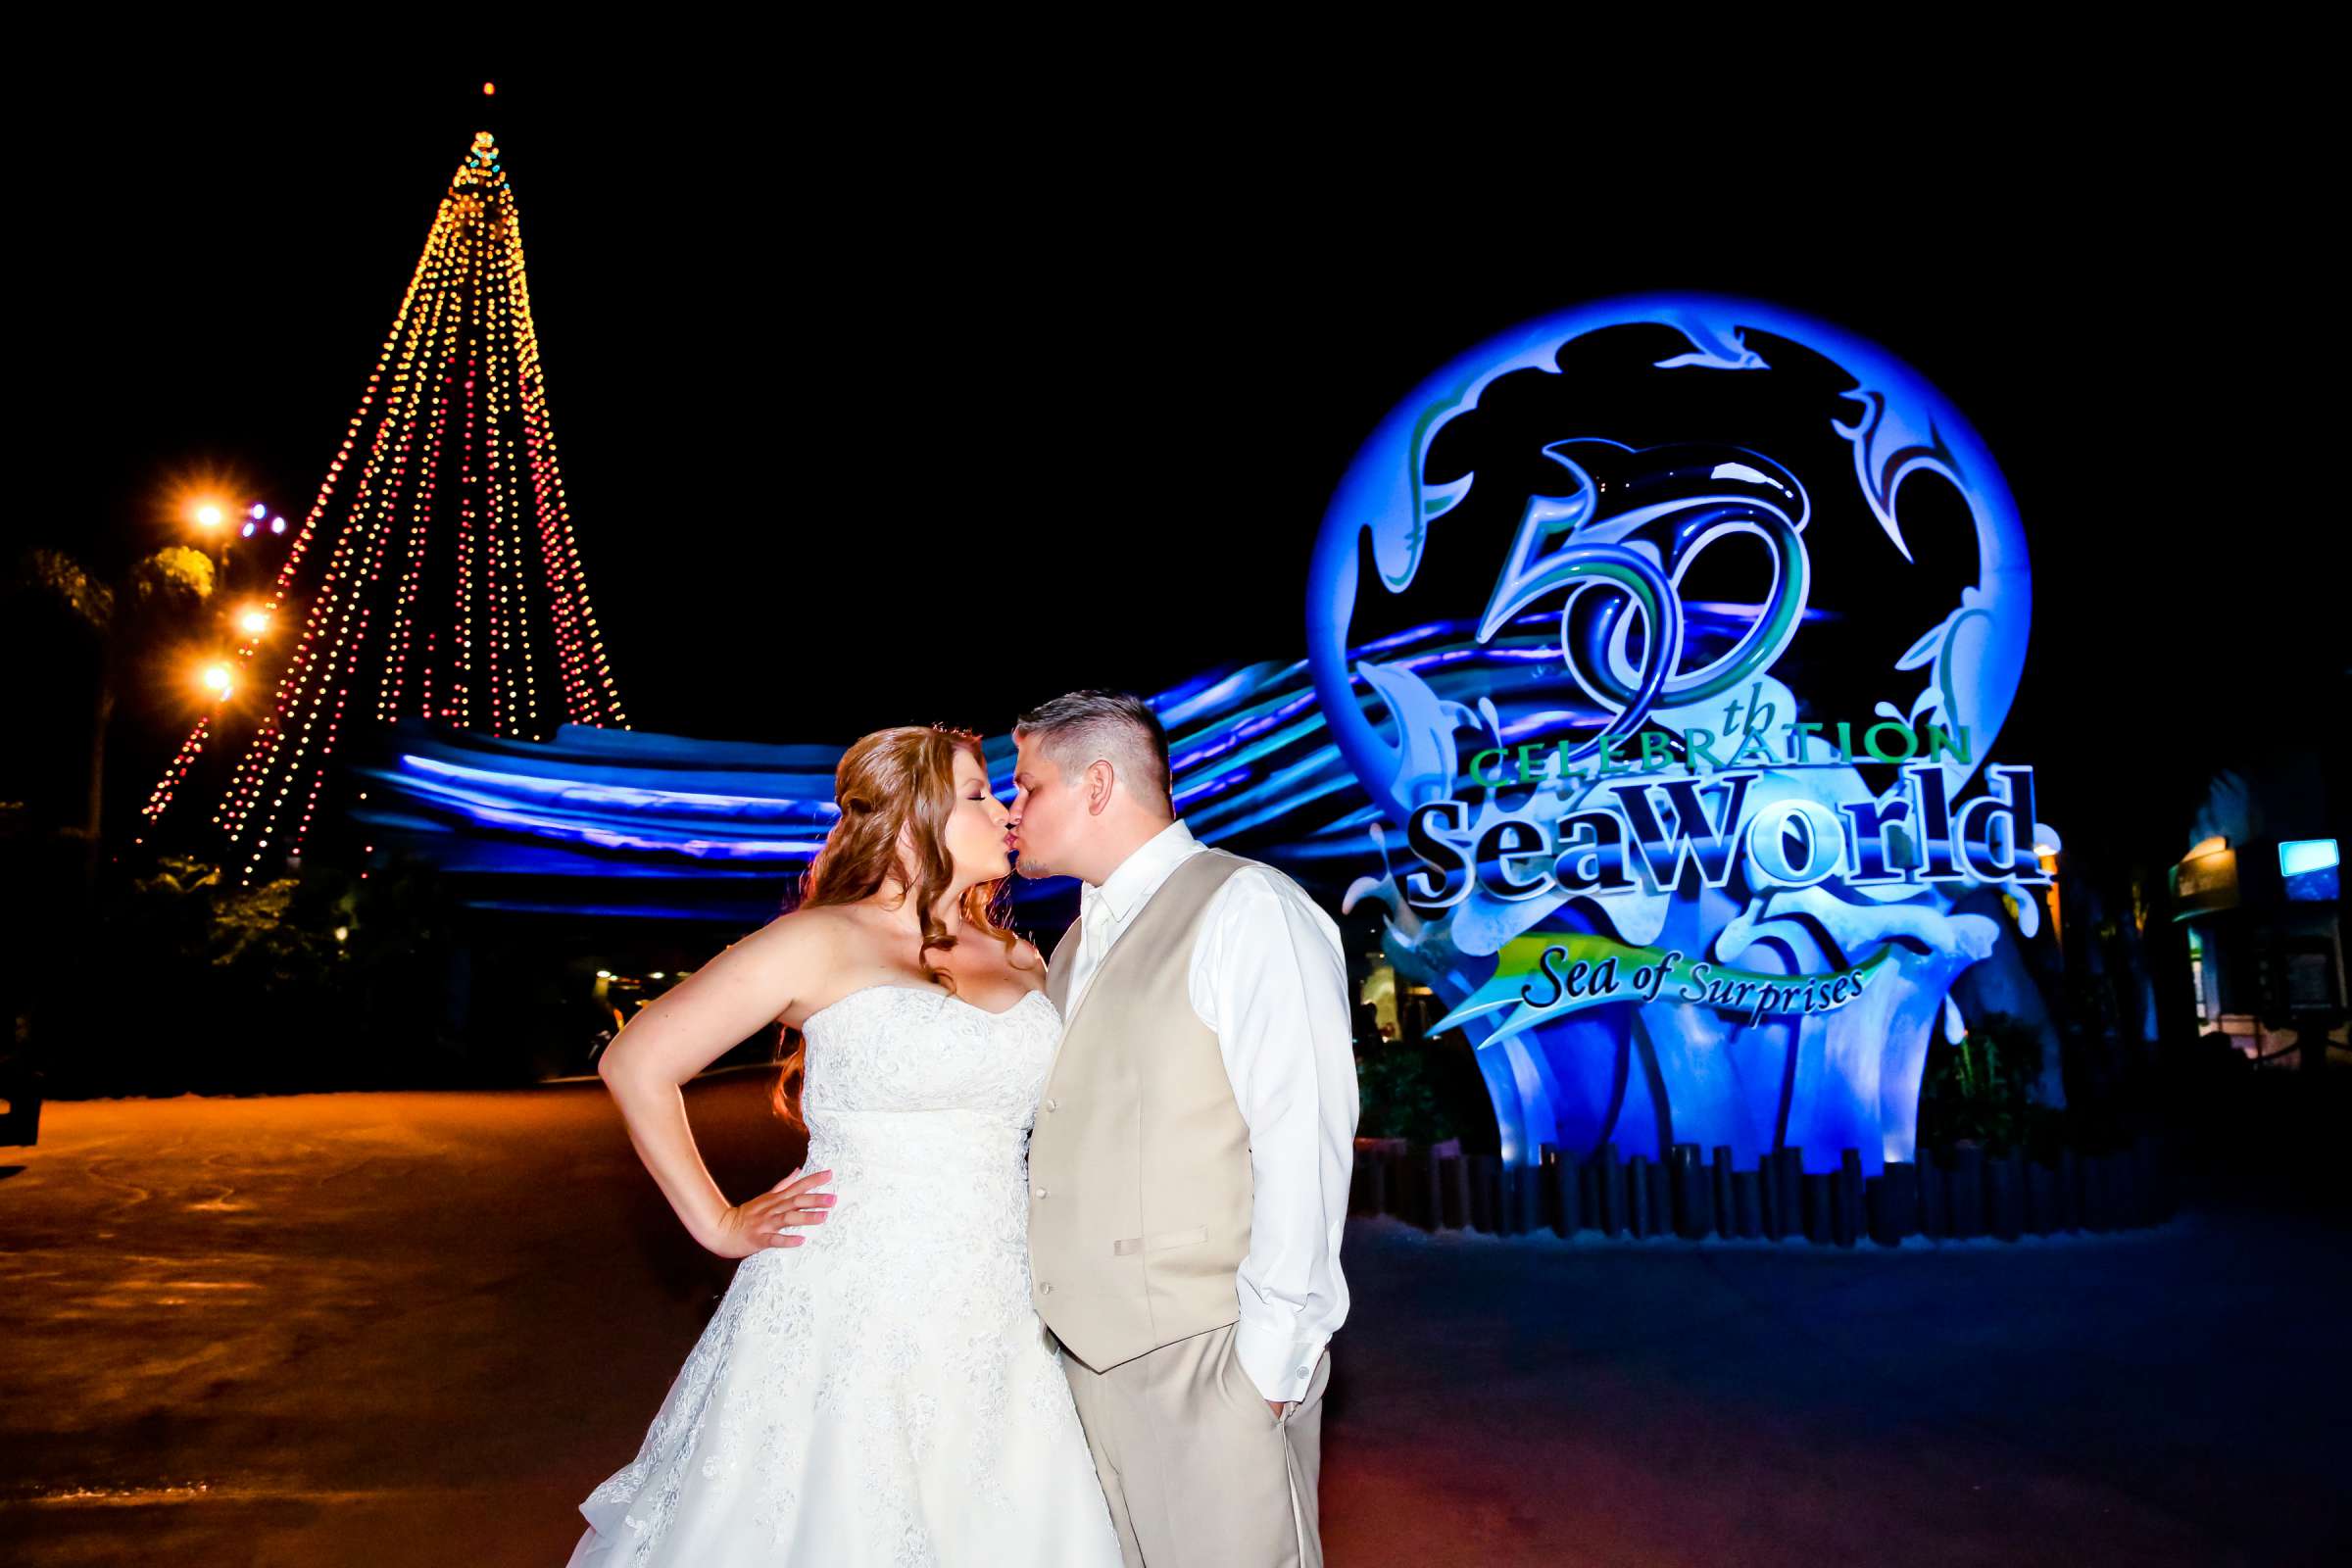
1984	1089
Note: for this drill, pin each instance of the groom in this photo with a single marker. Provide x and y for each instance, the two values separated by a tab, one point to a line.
1189	1170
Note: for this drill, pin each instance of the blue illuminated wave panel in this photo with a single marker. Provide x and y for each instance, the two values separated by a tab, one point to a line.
680	822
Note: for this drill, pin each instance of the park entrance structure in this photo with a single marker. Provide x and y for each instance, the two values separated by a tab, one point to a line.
437	572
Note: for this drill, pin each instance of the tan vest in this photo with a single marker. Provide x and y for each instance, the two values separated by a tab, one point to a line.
1139	1169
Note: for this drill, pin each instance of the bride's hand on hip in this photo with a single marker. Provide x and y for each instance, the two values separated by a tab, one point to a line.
769	1219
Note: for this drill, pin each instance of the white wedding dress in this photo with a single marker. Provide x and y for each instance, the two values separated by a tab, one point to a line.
883	1393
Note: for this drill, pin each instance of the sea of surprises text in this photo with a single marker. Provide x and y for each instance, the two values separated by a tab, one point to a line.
1563	982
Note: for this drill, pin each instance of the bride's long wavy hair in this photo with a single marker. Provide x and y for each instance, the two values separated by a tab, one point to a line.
895	786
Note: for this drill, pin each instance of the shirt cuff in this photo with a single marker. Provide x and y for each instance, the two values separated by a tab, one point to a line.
1281	1364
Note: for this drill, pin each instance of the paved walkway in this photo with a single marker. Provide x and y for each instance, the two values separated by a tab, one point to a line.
415	1328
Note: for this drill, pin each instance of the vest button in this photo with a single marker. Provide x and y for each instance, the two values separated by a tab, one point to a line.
1053	1104
1040	1191
1044	1289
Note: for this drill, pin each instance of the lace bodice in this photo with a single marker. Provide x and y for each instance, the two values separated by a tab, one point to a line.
898	1048
912	1093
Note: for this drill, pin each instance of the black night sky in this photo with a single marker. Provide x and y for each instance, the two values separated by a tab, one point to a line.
926	375
866	425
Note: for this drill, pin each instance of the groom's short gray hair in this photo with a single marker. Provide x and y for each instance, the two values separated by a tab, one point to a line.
1078	727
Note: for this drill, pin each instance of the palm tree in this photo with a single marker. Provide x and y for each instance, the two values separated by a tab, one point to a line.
127	618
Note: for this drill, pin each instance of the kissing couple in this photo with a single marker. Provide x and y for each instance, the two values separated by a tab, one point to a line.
1056	1281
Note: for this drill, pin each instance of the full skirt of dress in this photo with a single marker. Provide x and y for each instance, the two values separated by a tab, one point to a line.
882	1395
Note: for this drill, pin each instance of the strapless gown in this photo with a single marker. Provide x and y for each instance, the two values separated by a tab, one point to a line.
883	1393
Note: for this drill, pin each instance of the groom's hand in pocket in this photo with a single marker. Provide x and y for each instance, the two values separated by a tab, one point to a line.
770	1219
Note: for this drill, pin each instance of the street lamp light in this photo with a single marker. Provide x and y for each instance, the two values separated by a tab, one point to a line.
219	679
210	515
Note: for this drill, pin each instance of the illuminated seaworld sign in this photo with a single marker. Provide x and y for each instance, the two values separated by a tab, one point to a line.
1702	889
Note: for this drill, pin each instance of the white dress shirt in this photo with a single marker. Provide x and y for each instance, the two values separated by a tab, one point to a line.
1270	978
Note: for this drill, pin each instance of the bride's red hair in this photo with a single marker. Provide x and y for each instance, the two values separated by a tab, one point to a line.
896	790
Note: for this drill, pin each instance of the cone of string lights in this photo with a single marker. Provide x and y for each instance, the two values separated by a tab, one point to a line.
437	572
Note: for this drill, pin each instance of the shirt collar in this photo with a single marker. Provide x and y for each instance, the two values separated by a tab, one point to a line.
1140	875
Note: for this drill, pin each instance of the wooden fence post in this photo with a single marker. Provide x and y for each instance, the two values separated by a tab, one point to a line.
1788	1180
1483	1192
2004	1196
1609	1177
2042	1198
1847	1199
1894	1203
1964	1191
1933	1219
1560	1179
1747	1201
1693	1195
2097	1198
1817	1224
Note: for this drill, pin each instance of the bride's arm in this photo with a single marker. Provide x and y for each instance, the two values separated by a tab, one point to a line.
752	984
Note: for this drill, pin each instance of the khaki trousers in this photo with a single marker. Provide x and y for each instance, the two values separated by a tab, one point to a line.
1196	1469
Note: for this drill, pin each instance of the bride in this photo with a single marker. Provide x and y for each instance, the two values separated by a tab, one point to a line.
875	1387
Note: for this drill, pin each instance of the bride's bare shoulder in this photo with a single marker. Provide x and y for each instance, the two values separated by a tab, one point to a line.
826	926
800	937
